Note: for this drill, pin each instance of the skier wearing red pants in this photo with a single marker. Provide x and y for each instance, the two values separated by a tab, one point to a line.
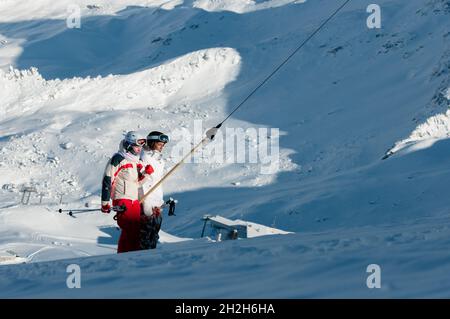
121	181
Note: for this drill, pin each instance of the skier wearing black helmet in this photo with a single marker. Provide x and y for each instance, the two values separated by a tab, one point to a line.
151	156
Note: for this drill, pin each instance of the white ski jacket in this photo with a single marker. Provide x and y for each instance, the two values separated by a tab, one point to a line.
155	199
121	179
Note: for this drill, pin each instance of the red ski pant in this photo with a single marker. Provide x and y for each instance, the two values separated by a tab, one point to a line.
129	223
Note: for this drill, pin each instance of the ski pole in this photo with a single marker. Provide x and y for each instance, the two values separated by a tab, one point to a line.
78	210
119	210
210	134
171	203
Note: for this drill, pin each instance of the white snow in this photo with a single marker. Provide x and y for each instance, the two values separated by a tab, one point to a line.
329	203
435	128
240	6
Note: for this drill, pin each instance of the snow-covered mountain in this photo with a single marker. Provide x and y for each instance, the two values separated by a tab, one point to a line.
350	97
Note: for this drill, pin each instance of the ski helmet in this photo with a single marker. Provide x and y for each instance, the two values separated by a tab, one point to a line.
131	139
156	136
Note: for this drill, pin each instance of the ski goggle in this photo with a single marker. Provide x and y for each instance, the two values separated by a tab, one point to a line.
159	138
140	142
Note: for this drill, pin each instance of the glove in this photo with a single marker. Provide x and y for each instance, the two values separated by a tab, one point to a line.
156	211
149	170
106	208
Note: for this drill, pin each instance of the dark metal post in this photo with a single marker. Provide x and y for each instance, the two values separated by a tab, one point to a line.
204	226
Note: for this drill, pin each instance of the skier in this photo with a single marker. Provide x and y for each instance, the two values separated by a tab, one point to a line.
151	158
121	182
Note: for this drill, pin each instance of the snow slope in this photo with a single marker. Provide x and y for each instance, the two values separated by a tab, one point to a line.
340	104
